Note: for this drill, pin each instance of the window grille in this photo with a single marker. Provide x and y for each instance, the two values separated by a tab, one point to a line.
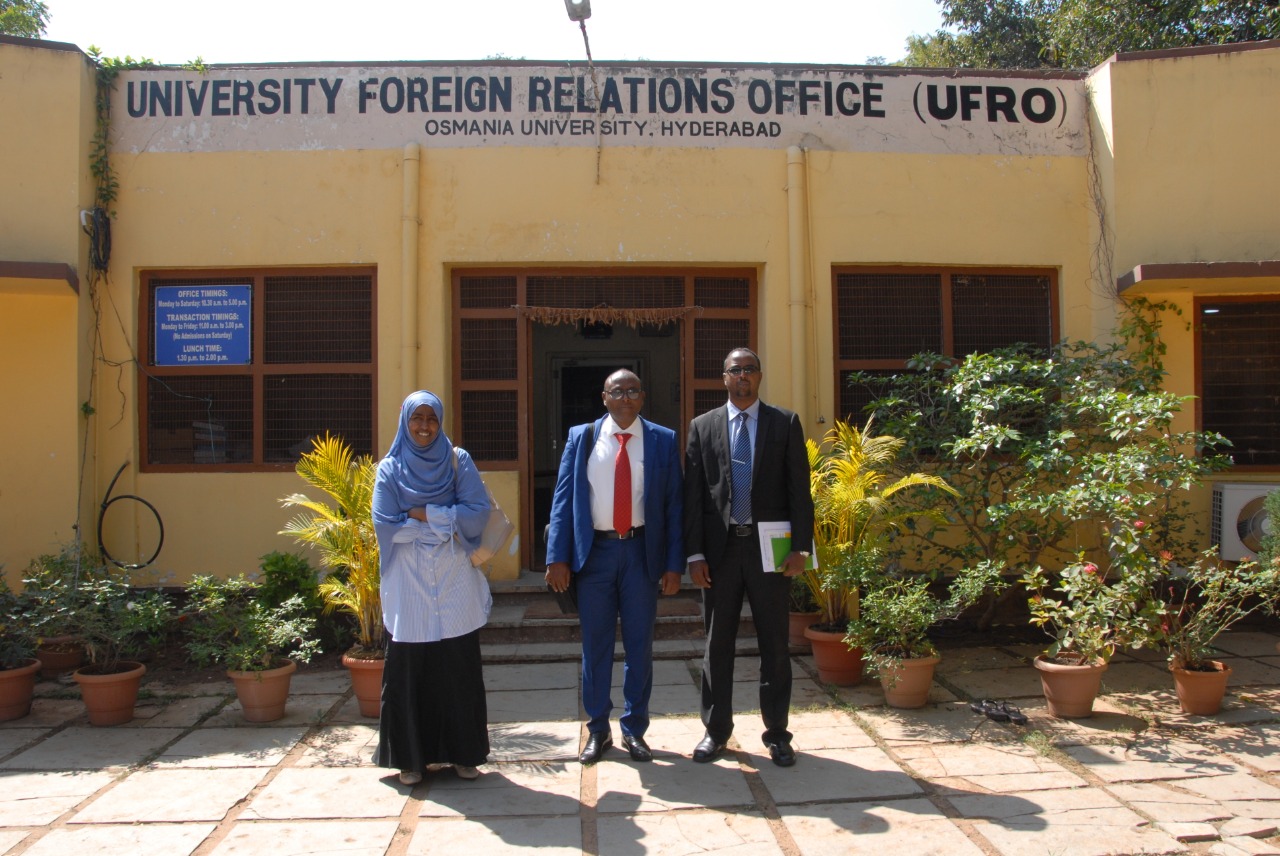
489	424
314	329
722	292
884	317
318	319
713	339
1240	377
488	349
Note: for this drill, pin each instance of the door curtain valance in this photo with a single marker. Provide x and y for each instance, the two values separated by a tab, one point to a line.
604	314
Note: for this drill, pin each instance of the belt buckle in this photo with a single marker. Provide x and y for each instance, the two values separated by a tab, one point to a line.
742	530
628	535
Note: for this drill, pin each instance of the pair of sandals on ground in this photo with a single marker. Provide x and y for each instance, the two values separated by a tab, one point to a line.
411	777
999	711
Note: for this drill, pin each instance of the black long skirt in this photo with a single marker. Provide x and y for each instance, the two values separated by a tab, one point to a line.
433	705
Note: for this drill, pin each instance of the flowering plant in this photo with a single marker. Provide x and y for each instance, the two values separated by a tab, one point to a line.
1204	600
1050	452
1089	615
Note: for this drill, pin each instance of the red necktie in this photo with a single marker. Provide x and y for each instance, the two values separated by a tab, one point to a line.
622	486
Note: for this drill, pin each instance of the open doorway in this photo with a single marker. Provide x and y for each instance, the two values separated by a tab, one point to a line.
517	331
570	364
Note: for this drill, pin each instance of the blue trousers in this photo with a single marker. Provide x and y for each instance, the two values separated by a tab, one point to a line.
613	583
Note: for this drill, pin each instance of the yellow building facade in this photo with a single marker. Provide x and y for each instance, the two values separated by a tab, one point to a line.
294	248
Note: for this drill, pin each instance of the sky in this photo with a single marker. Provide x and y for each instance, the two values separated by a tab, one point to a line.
809	32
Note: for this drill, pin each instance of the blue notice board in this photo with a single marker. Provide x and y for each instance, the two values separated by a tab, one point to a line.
203	325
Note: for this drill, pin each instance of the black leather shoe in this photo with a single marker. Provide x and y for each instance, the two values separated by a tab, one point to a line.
707	750
782	754
639	750
596	745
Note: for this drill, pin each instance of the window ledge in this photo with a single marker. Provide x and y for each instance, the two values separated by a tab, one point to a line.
1203	278
40	278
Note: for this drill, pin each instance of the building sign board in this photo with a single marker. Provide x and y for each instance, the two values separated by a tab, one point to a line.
872	109
203	325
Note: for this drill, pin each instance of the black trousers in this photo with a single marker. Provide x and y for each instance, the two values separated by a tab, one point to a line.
739	573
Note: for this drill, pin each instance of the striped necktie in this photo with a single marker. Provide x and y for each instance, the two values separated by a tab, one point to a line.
740	508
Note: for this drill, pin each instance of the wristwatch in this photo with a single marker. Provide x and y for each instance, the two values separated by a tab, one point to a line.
804	553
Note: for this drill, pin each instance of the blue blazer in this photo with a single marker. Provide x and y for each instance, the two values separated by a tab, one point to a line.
571	532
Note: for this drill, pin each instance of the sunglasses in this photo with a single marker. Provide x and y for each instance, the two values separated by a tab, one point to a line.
742	370
619	394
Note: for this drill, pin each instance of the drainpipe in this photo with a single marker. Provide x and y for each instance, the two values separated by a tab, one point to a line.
410	228
797	246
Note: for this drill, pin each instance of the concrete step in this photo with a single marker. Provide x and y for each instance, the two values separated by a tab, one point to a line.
527	617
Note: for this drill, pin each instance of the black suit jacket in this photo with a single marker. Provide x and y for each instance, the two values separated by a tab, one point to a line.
779	480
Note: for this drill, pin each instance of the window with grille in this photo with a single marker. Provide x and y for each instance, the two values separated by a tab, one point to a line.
1239	351
310	371
883	317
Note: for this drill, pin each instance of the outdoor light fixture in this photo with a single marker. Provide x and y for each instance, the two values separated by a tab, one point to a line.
579	10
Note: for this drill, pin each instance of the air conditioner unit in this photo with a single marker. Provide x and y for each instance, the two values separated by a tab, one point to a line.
1239	520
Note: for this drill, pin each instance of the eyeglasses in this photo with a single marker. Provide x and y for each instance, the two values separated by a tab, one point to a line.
742	370
619	394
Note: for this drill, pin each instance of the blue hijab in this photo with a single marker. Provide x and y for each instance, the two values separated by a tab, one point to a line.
422	475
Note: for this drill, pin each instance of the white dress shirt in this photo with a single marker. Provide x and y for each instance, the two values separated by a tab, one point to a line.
600	473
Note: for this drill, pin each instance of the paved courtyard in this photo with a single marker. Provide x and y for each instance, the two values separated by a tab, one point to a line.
188	776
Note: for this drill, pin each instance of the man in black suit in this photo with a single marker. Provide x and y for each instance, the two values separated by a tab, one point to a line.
764	456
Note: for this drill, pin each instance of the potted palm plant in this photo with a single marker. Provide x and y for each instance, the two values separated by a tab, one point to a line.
855	490
342	532
258	644
803	612
18	665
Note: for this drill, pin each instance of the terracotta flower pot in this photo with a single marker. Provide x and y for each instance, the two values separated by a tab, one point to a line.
110	698
17	686
1200	693
799	621
1069	689
263	694
59	655
836	663
366	680
907	686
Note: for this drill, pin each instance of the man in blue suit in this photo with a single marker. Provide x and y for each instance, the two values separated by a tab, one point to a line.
615	524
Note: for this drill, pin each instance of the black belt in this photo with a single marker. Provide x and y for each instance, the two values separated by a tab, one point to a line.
742	530
610	535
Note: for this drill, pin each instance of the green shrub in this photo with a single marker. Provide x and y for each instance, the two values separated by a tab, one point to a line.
231	626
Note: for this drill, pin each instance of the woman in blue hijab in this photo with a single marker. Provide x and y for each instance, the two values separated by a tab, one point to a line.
429	509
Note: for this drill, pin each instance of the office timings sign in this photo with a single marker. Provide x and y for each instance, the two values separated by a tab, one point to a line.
203	325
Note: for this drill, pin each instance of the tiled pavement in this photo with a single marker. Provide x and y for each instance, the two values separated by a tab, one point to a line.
189	776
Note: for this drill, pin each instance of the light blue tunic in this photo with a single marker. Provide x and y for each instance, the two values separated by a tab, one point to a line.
430	591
